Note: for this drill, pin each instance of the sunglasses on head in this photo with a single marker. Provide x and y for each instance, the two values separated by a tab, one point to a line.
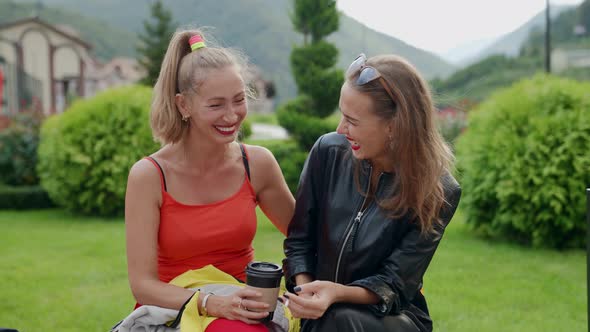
367	74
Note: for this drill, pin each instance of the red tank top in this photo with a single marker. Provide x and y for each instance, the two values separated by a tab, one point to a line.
193	236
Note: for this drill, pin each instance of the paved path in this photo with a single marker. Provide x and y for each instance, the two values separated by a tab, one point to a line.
268	131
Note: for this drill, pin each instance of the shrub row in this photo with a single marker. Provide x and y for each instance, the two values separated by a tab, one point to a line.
525	161
86	152
24	197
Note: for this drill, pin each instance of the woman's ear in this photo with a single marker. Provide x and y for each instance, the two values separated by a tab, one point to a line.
182	105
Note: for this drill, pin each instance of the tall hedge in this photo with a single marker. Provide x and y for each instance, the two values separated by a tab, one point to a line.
525	163
86	152
290	158
313	67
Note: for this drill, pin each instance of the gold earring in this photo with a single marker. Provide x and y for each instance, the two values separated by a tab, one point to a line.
391	144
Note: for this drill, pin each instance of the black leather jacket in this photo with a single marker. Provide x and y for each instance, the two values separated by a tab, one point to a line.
330	239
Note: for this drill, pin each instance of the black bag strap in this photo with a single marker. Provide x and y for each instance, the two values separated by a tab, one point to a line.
245	160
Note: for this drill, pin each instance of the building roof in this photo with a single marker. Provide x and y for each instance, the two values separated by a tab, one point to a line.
127	68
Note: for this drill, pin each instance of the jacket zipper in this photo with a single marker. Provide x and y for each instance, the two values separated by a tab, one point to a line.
351	227
357	223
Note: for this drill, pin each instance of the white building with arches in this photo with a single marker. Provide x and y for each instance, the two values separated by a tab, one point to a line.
36	57
43	66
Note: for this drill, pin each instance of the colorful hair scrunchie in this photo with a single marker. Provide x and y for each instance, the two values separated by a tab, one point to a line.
196	42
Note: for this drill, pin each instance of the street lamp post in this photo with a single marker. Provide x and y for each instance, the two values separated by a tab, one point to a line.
588	255
547	38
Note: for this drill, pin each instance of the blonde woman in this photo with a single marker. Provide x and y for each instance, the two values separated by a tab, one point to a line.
192	203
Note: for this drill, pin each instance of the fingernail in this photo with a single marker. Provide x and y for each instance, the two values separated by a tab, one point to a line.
280	299
286	296
297	289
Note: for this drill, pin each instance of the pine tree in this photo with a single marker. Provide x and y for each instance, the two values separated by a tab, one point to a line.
154	41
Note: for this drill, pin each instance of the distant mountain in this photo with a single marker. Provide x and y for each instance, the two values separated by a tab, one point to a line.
563	34
353	37
261	28
458	54
511	43
477	81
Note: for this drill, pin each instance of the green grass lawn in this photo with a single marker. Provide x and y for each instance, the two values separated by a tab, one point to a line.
270	118
65	273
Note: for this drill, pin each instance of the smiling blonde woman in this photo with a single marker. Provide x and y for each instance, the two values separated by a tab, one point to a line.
192	203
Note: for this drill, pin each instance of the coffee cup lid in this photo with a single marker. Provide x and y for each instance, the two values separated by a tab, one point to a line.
264	269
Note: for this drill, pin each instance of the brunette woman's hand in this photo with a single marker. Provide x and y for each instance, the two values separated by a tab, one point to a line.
312	299
241	305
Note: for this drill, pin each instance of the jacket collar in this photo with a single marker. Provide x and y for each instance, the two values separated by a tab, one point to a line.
385	181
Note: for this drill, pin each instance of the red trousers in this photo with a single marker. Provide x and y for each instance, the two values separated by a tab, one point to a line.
223	325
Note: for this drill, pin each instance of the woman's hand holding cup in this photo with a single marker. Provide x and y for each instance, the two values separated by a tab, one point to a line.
254	303
265	278
243	305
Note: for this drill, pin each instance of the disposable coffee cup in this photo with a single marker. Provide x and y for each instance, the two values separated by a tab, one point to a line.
265	278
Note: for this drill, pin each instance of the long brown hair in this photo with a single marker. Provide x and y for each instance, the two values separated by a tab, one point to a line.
421	155
183	71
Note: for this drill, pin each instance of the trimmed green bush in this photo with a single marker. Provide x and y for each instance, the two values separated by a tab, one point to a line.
290	158
245	129
304	128
525	163
24	198
18	150
86	152
311	64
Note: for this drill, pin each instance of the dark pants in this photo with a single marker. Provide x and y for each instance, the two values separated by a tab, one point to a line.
354	318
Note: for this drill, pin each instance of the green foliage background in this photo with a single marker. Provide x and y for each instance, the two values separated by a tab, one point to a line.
86	152
313	67
18	150
524	163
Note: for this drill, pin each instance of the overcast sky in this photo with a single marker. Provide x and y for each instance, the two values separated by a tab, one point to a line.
441	25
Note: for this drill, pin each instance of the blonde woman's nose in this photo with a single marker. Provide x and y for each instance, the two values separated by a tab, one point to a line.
230	116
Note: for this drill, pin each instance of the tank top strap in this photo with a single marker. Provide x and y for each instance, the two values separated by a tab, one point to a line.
245	160
161	171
